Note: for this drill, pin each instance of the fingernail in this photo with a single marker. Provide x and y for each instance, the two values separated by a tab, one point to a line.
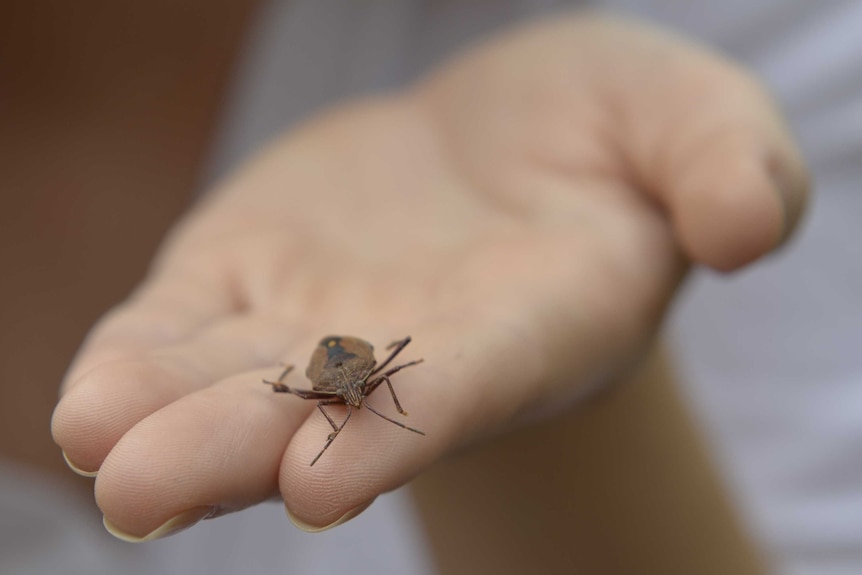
173	525
343	519
77	469
786	218
790	195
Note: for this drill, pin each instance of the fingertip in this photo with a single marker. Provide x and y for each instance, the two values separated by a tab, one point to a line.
709	142
368	457
729	212
217	447
104	404
82	426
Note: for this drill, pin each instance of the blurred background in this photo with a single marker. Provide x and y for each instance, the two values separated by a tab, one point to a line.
107	113
115	115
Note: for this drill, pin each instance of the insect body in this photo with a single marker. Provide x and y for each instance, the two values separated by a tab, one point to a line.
343	371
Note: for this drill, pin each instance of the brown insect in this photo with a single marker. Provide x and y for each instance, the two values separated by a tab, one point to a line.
343	371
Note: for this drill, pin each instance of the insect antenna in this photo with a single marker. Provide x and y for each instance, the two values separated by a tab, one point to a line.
398	423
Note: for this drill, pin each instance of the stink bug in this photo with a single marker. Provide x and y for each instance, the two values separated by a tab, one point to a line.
343	371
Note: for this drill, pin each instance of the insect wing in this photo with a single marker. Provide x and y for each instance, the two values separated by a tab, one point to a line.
339	359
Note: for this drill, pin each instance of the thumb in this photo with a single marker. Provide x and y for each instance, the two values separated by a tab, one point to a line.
704	138
592	97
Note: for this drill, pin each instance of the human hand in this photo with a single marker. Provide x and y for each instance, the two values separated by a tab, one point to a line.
526	214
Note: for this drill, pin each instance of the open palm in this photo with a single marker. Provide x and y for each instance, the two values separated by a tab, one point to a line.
525	214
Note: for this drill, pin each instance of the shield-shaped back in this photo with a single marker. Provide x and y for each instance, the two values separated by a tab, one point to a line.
338	360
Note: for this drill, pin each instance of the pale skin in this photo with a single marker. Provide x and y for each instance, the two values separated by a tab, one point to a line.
525	212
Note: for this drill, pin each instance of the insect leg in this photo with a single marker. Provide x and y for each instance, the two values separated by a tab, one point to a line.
400	367
372	385
320	405
278	384
280	387
287	369
398	345
303	393
333	435
372	410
